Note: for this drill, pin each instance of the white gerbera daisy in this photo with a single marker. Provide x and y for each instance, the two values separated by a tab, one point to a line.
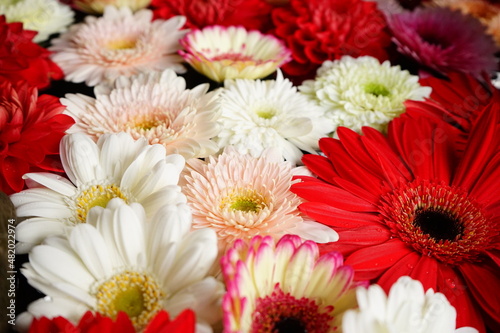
118	43
156	106
115	167
119	261
357	92
407	308
256	115
284	287
46	17
222	53
240	196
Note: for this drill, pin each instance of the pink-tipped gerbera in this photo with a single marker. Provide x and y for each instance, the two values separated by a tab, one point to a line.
233	52
284	287
320	30
405	204
118	43
31	127
441	40
251	14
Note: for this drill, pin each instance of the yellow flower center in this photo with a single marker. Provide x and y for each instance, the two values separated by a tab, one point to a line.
136	294
244	200
266	112
377	89
121	44
97	195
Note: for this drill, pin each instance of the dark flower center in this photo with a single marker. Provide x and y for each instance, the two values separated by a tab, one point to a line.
438	224
284	313
290	325
437	220
432	39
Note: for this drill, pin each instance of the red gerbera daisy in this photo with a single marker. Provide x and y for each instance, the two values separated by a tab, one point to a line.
30	130
406	205
319	30
96	323
22	59
251	14
458	100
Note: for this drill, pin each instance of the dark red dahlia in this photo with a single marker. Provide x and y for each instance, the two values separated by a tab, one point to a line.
22	59
251	14
31	127
409	204
319	30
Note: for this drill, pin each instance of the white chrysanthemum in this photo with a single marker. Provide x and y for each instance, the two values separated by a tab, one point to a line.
240	196
357	92
222	53
119	261
156	106
408	308
118	43
47	17
115	167
260	114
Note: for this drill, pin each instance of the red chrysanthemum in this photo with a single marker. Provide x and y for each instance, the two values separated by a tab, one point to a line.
441	41
22	59
319	30
251	14
458	100
96	323
405	204
30	130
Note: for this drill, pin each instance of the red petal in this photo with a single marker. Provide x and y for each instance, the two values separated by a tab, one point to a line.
336	217
425	271
370	262
403	267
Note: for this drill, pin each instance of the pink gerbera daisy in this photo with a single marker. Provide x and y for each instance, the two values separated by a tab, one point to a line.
284	287
441	40
118	43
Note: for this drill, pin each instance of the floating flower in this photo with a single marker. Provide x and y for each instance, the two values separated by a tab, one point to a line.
405	204
322	30
222	53
118	43
156	106
362	92
46	17
99	6
251	14
407	308
115	167
442	40
240	196
256	115
22	59
31	127
118	261
284	287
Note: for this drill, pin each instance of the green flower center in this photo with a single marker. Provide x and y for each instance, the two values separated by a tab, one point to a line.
245	205
377	89
266	112
244	200
136	294
121	44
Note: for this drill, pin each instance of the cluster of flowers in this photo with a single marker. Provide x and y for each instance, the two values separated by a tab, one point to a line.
254	165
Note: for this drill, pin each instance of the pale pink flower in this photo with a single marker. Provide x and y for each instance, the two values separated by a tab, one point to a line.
118	43
241	196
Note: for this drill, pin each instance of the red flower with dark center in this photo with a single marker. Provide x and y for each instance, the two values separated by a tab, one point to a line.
30	130
96	323
22	59
251	14
320	30
409	204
